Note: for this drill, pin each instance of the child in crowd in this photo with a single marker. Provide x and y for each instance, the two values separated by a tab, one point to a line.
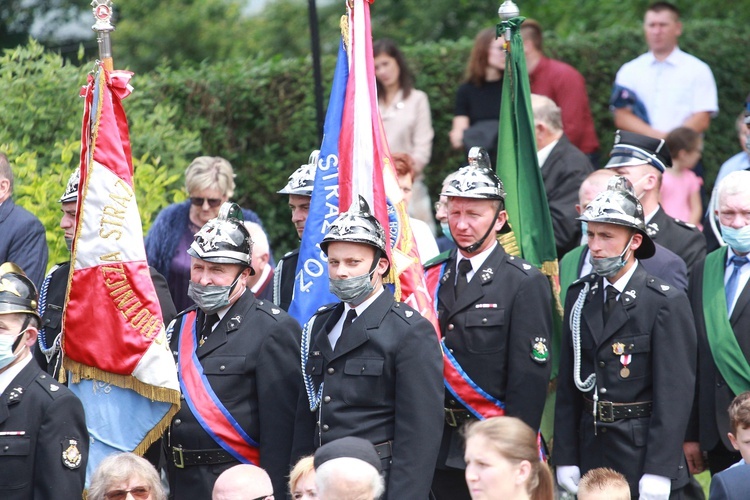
603	484
734	482
681	187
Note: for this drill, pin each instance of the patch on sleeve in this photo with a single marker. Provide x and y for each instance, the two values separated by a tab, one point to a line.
539	350
71	456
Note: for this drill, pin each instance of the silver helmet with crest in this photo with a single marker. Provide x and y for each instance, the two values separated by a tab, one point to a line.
71	189
476	180
357	225
301	182
225	239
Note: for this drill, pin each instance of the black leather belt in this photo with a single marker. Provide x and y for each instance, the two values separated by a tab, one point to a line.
185	458
607	411
455	418
385	450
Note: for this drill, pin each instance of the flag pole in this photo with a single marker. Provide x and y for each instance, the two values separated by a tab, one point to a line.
102	10
508	10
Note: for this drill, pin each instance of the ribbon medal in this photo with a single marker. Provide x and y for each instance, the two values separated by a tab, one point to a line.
625	360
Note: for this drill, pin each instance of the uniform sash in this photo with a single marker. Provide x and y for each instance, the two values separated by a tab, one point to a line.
211	414
728	357
466	391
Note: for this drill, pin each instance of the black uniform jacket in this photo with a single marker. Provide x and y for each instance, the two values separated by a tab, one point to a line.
563	172
383	382
492	330
682	238
53	311
283	279
710	422
653	322
251	361
43	439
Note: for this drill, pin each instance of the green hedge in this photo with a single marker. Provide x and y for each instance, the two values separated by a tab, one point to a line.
260	115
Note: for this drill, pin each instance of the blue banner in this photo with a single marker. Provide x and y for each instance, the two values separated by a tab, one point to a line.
311	277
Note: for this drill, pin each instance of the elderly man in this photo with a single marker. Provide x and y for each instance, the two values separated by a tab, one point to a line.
23	240
372	365
627	366
238	364
495	316
42	425
242	482
299	188
721	304
563	166
673	88
261	283
348	469
642	160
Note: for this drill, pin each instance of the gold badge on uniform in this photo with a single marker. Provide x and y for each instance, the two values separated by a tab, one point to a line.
71	456
539	350
618	348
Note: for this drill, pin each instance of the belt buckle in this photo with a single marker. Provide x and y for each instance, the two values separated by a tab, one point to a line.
178	458
605	411
450	417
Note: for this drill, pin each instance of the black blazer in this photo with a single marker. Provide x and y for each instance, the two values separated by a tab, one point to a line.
682	238
383	382
251	360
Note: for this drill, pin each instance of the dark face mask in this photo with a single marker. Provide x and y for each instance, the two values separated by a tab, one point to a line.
211	298
609	266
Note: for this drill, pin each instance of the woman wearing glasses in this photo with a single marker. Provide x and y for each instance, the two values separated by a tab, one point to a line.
209	181
126	476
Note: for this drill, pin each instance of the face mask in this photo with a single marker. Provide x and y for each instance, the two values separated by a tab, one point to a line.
352	290
211	298
635	185
584	232
8	345
446	230
69	244
738	239
609	266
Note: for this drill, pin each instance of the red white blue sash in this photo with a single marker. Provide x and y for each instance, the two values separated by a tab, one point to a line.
200	397
468	393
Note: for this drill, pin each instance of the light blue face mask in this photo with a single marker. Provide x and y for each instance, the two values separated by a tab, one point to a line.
737	239
7	346
446	230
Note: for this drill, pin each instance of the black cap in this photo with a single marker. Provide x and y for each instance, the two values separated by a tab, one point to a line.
348	447
633	149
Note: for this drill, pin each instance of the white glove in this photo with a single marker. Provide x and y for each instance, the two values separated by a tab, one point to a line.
568	477
653	487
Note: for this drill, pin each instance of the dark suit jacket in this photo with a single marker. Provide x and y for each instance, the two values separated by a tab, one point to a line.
283	279
710	422
682	238
731	484
52	421
53	292
251	361
383	382
653	321
494	344
23	241
563	172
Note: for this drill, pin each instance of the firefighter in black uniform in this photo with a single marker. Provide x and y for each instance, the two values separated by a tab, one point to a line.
299	188
628	360
43	434
373	367
238	363
495	316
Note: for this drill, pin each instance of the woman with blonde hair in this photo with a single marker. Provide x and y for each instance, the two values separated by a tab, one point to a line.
124	476
302	480
209	182
503	462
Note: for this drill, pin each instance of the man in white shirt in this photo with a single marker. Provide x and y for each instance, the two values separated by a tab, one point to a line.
676	88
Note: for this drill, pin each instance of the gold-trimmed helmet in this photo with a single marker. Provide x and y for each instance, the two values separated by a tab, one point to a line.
302	180
619	205
357	225
476	180
17	292
225	239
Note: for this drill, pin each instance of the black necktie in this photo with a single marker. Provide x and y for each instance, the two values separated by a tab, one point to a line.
464	266
348	320
208	325
609	305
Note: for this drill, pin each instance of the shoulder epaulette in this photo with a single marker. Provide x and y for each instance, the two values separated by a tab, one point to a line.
270	308
406	312
49	384
660	286
290	253
520	264
686	225
589	278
